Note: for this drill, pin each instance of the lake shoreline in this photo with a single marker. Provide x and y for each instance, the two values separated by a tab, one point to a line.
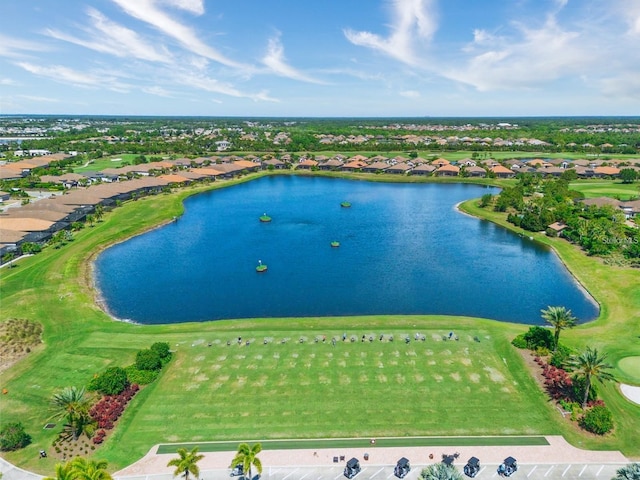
385	238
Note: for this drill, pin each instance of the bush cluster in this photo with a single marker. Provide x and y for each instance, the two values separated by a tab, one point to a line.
109	409
558	383
598	419
148	364
111	382
560	356
535	338
148	360
141	377
13	437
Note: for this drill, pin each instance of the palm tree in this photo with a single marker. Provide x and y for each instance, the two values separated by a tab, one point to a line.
560	318
72	405
98	211
8	257
83	469
591	365
440	471
63	472
628	472
247	456
186	463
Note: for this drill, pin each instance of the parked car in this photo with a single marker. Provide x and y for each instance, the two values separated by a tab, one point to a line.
508	467
402	468
237	471
352	468
472	467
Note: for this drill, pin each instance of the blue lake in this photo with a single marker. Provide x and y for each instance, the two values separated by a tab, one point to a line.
404	249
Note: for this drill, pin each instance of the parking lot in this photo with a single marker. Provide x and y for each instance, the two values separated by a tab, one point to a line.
577	471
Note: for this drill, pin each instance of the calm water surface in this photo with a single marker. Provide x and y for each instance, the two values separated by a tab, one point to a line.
404	249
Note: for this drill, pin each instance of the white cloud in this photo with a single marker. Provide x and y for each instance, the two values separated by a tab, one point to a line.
13	47
194	6
38	99
536	57
112	38
148	12
413	21
410	94
631	13
625	85
8	82
209	84
275	60
158	91
63	74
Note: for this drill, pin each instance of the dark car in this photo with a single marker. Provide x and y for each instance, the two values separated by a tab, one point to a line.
352	468
508	467
472	467
402	468
237	471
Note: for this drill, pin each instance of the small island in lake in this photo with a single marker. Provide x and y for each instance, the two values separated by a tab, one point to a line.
345	204
335	244
261	267
265	218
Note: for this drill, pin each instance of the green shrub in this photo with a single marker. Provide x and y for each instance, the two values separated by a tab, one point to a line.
597	420
519	341
141	377
578	386
162	349
539	337
148	360
542	351
111	382
13	437
560	356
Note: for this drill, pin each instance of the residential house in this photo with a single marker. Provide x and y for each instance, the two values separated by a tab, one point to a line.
423	169
447	171
502	172
475	171
376	167
399	168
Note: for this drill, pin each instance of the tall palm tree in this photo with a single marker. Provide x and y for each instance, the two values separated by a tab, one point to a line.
628	472
440	471
63	472
84	469
72	404
186	463
248	457
591	365
560	318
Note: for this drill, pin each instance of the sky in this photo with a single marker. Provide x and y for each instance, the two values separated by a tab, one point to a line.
320	58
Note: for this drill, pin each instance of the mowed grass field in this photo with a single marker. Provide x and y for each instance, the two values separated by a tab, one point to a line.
610	188
353	389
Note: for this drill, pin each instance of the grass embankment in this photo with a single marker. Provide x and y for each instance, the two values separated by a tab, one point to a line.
291	390
615	332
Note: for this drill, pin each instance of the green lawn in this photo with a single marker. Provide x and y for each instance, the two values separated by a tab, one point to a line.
111	162
294	390
604	188
511	440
